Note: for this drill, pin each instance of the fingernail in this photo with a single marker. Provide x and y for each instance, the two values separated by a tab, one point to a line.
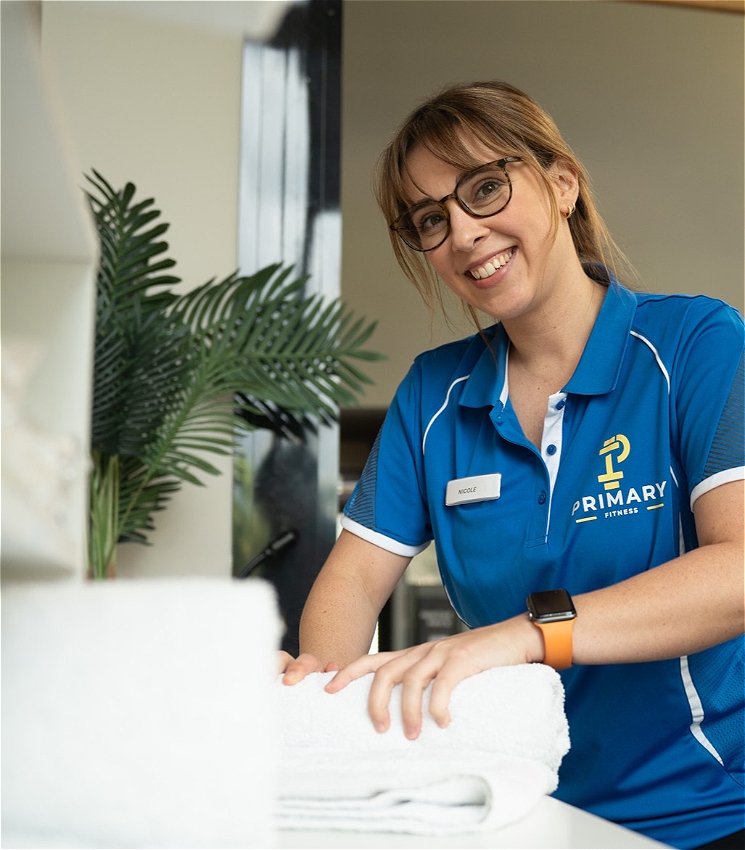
380	726
411	733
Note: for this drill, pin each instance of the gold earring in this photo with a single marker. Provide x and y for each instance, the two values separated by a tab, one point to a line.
571	209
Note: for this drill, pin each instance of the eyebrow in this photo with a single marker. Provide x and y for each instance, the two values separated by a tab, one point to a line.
461	174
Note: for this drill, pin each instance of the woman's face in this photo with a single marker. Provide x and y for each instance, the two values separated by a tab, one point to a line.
509	263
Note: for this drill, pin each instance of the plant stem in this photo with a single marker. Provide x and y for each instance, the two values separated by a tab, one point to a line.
104	514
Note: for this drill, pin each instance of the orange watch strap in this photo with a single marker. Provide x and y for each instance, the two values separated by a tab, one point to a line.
557	642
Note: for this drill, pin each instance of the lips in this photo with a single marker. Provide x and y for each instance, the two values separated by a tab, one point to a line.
492	266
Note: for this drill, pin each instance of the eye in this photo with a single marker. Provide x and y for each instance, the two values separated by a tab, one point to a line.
487	189
428	219
483	190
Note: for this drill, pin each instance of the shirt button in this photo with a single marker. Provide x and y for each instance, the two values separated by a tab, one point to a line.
542	497
560	404
551	449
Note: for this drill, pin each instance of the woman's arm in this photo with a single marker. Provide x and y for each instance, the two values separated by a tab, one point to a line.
342	609
681	607
684	606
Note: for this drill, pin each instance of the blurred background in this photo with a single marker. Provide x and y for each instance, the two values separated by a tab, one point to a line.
182	98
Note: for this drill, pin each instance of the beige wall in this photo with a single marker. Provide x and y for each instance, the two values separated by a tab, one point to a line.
158	103
649	96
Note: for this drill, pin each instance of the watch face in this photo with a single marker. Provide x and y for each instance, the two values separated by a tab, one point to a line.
551	605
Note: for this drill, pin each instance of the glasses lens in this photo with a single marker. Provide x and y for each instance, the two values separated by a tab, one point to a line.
424	226
484	191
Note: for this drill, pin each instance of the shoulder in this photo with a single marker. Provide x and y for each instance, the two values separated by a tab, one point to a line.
452	354
688	309
677	324
440	366
439	372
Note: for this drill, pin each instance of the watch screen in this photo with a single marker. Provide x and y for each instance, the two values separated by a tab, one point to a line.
551	604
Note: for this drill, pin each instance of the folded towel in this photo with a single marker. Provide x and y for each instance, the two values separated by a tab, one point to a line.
500	754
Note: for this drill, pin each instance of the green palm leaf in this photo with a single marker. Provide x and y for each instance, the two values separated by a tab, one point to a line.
175	375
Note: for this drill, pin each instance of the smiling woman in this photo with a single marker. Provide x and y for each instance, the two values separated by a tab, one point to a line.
622	80
498	263
560	456
469	127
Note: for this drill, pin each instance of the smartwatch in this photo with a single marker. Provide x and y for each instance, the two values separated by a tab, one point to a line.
554	613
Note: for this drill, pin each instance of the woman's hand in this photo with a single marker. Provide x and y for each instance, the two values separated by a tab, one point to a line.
296	669
444	663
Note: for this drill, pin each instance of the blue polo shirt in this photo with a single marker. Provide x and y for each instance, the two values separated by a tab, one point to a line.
651	419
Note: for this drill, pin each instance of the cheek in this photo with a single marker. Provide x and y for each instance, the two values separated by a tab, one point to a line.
441	264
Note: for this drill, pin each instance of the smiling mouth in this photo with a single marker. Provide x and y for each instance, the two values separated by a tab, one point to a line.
496	263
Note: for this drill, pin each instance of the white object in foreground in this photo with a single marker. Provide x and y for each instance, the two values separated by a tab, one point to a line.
494	762
138	713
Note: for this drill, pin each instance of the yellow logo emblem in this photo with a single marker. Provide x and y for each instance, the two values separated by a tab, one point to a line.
610	478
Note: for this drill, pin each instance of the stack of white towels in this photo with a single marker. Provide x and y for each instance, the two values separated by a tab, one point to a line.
493	763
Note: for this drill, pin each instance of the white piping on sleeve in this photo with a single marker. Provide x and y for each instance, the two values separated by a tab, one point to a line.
737	473
697	709
381	540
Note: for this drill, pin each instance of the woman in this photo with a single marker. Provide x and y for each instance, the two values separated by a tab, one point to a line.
590	441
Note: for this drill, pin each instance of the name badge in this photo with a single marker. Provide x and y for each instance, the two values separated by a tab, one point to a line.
477	488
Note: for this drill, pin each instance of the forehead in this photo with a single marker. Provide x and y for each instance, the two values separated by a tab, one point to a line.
433	175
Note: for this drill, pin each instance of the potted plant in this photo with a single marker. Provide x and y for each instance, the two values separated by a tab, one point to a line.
176	374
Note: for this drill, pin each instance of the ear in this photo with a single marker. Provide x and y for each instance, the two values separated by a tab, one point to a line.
564	177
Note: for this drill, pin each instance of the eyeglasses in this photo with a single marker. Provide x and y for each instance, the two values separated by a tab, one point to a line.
482	192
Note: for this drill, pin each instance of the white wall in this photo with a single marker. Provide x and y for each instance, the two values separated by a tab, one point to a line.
48	277
649	96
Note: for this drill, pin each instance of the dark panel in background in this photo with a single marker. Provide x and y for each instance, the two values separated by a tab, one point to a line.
285	489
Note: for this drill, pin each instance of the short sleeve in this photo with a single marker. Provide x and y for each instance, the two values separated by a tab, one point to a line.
708	394
388	506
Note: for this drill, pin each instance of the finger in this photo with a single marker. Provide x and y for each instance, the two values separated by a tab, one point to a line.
458	665
361	667
414	684
379	698
442	665
284	659
442	690
412	691
300	667
331	667
390	674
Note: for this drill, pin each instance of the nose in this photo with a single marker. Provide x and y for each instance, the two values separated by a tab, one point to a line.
465	230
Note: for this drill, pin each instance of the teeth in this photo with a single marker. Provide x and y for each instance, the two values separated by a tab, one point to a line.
488	269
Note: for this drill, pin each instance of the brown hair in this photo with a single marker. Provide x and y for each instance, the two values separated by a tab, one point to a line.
504	119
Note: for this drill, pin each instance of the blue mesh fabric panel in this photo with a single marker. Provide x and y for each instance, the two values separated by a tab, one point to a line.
727	447
719	678
361	507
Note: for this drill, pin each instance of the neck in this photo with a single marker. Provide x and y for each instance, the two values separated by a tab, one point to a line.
551	339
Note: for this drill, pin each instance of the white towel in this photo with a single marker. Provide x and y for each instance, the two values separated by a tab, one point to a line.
139	713
500	754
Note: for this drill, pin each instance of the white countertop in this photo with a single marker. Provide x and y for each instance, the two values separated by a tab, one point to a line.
551	824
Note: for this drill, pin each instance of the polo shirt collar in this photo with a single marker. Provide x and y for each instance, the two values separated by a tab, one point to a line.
600	365
597	371
484	385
